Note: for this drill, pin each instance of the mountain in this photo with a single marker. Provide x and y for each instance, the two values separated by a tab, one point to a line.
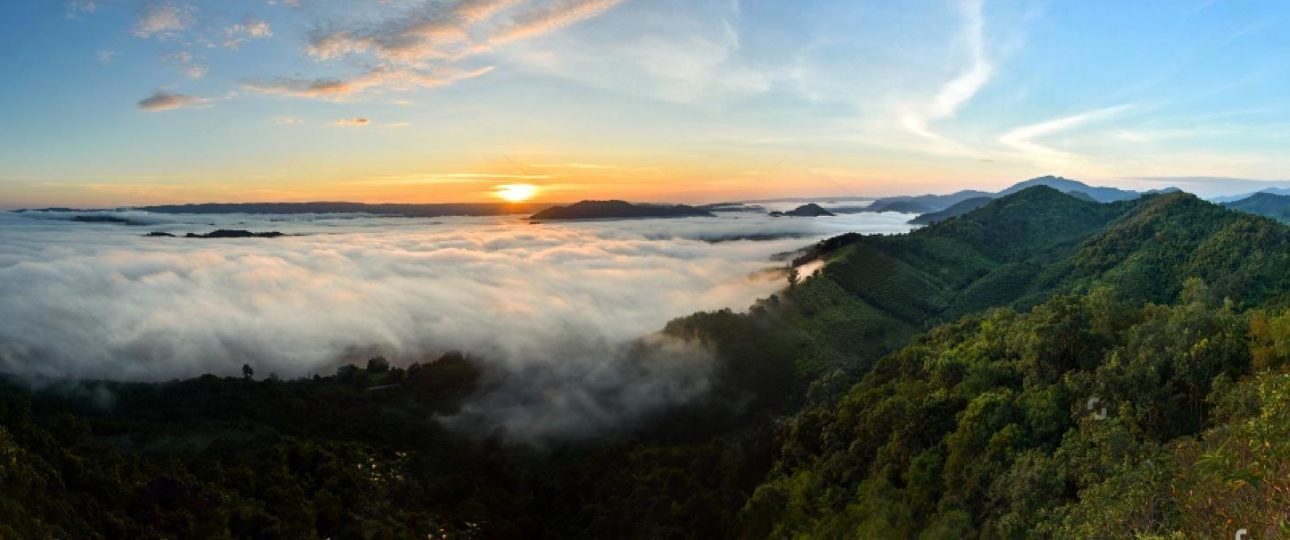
919	204
806	210
956	209
954	372
398	210
1264	203
1066	185
618	210
925	204
1232	198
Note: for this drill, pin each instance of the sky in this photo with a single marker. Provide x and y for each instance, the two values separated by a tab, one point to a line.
122	102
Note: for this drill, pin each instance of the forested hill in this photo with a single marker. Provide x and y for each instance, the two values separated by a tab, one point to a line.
992	425
878	291
1043	365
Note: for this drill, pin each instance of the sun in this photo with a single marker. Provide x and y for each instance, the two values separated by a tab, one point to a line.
516	192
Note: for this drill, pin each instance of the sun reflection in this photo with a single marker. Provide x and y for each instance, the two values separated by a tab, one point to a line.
516	192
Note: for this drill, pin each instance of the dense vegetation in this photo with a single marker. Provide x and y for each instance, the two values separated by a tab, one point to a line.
1041	366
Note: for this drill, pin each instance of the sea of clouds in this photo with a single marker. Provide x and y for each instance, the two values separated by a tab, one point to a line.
549	307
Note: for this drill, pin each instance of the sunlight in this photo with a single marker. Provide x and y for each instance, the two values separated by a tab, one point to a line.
516	192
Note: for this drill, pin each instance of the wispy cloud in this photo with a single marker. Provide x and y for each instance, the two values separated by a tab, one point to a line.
78	8
247	30
1023	138
418	47
187	64
960	89
163	101
163	20
334	89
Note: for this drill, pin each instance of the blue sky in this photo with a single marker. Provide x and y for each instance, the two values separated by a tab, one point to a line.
136	101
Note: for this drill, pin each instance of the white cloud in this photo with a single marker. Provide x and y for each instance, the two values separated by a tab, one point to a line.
672	50
959	90
1023	138
187	64
163	20
247	30
414	47
353	122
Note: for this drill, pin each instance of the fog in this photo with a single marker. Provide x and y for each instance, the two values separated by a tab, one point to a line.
547	307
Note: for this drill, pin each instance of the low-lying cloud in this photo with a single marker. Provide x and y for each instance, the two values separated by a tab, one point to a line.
548	307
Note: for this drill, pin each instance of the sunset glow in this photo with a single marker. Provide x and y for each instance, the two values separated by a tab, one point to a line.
668	100
516	192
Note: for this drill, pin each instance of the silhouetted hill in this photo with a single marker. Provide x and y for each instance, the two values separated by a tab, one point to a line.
1264	204
99	218
398	210
220	233
923	204
956	209
806	210
920	204
1066	185
615	209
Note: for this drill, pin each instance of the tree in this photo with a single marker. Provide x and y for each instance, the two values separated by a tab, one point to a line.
247	372
793	277
378	365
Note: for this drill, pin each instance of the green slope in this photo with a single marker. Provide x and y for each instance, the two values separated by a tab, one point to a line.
978	428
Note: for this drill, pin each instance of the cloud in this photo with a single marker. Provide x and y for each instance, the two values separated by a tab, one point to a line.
678	51
551	310
163	100
287	121
333	89
1023	138
163	20
353	122
187	64
549	18
960	89
420	46
105	56
78	8
247	30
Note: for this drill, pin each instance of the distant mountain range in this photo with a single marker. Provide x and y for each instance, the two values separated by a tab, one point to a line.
1234	198
933	208
399	210
1265	203
618	210
956	209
